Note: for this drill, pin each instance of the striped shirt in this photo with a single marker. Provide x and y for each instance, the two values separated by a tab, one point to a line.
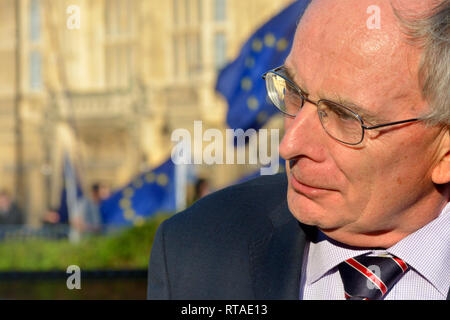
426	251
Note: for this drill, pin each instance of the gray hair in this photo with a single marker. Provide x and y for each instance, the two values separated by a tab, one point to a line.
431	32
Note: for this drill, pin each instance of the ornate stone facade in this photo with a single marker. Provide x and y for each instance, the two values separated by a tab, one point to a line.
110	87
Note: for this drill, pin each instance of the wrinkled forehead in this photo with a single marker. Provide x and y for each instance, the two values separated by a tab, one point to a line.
364	30
356	41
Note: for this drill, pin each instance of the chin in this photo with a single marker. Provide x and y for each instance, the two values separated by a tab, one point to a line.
312	213
305	210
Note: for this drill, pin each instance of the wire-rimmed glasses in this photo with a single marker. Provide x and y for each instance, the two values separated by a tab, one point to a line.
341	123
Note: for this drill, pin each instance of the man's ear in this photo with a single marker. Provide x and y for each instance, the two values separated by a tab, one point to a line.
441	172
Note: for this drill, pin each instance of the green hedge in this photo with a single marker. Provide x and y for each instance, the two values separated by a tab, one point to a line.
127	249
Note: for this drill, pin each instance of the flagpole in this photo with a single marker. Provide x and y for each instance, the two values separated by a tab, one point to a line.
71	199
180	177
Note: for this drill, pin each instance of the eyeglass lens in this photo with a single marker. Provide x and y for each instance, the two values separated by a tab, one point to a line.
339	122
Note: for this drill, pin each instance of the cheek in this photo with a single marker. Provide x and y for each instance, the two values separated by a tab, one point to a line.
378	176
356	167
359	175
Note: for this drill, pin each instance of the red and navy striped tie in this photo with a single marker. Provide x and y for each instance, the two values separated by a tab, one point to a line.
370	277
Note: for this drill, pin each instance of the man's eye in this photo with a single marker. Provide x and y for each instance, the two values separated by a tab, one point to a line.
291	96
322	114
346	116
290	90
342	114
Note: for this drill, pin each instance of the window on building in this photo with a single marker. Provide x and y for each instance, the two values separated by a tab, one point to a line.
220	10
119	43
193	54
199	10
35	70
220	50
187	11
176	57
176	10
198	53
35	21
187	37
34	53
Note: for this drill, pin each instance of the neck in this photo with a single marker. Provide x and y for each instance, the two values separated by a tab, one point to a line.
386	237
382	239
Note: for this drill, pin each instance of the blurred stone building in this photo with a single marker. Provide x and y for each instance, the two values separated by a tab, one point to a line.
106	82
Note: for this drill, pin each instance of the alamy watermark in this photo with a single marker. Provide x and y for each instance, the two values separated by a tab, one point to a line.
221	150
74	280
374	20
74	18
376	270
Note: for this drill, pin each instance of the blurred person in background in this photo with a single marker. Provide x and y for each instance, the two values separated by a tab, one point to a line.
52	217
201	189
54	225
88	220
10	213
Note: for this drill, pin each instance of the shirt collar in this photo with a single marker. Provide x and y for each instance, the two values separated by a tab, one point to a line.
427	251
325	254
415	249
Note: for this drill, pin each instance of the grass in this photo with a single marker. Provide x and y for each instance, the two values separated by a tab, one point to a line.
127	249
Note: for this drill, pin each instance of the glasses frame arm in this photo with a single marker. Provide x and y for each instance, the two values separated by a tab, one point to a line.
389	124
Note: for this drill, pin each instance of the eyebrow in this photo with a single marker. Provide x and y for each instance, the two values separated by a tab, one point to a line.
363	113
290	75
366	115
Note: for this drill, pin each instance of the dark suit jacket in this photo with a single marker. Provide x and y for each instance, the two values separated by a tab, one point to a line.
238	243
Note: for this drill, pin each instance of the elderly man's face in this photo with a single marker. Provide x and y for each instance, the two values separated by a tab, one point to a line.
371	188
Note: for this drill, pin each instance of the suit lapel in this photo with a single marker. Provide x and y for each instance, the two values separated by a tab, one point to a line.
276	257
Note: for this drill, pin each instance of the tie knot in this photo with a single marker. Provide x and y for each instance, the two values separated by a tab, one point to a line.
370	277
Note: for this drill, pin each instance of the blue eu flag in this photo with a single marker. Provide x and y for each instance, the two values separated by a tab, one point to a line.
240	82
149	193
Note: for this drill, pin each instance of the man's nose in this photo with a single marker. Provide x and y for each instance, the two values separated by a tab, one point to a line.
304	135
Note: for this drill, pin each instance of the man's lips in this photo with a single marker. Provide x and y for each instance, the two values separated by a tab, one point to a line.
307	189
